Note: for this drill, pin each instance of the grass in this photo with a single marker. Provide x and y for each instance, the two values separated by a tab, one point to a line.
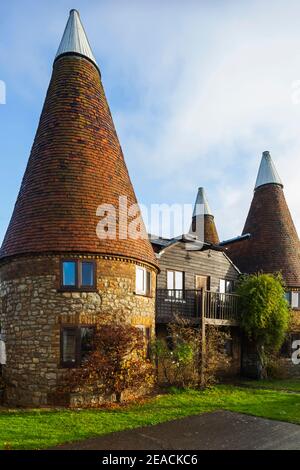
37	429
291	385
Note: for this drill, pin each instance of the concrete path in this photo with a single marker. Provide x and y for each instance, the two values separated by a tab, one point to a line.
210	431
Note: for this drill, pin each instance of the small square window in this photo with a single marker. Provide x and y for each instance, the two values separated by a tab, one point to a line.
76	345
225	286
78	275
69	273
222	286
175	284
142	281
295	300
69	349
147	339
86	341
288	296
87	274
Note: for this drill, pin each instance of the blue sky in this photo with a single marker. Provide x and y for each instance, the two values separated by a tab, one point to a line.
197	89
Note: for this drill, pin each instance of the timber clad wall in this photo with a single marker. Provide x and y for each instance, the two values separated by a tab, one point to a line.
206	263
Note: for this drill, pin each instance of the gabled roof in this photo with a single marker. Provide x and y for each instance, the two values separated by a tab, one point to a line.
75	39
267	173
189	242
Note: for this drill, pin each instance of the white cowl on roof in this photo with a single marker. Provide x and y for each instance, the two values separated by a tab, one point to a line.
267	173
74	38
201	204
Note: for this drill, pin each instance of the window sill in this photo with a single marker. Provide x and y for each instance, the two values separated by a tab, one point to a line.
77	289
149	296
68	366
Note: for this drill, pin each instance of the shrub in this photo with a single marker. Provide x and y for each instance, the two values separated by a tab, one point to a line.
264	314
179	356
117	363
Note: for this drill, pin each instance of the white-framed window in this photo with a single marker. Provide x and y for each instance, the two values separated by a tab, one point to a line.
175	284
175	280
142	281
225	286
293	298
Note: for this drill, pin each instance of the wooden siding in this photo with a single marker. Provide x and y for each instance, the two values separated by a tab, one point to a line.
206	263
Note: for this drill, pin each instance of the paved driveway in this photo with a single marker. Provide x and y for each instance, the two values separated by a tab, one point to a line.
211	431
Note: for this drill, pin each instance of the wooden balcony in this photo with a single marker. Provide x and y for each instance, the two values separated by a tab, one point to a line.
214	308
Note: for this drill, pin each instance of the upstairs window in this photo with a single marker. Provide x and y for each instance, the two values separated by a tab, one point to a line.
142	281
78	275
76	344
293	298
69	274
87	277
175	284
225	286
175	280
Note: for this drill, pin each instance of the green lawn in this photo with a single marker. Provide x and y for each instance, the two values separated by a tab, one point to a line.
292	385
36	429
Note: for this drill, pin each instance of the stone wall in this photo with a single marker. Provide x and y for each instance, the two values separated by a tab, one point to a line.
33	309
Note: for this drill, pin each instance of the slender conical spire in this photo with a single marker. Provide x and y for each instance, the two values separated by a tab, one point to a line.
274	244
74	39
201	204
75	167
267	173
203	223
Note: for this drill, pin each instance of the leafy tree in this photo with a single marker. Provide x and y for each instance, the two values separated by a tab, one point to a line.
264	312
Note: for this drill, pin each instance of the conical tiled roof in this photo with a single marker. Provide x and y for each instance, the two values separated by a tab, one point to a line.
76	164
274	244
203	219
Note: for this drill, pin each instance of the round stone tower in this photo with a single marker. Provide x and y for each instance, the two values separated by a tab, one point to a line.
67	258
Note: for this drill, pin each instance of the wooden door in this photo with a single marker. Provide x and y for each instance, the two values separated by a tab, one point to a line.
202	282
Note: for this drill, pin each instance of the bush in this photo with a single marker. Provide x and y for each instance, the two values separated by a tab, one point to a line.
264	314
117	363
179	356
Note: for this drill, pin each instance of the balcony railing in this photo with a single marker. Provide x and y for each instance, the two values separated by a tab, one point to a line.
196	304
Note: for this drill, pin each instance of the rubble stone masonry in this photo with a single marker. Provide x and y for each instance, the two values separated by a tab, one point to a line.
33	309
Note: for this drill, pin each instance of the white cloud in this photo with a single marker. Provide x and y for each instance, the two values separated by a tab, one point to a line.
198	90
